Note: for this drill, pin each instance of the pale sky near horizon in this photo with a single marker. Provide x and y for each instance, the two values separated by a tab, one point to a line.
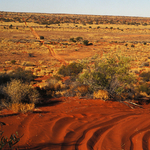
139	8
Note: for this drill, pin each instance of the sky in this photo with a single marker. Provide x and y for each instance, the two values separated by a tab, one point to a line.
140	8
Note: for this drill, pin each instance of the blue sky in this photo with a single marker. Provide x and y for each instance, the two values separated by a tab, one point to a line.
94	7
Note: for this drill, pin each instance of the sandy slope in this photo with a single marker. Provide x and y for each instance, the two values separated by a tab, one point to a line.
81	124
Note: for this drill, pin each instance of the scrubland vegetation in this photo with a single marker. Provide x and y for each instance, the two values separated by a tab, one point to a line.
107	58
117	70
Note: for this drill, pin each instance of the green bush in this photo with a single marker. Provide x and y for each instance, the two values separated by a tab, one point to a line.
110	74
13	61
18	92
10	27
25	76
79	38
145	76
41	37
86	42
145	88
72	40
72	69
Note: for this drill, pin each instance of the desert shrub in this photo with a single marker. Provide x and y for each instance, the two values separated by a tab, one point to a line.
145	64
4	78
79	38
145	76
41	37
10	27
72	69
13	61
19	73
25	76
86	42
145	88
110	74
132	45
72	40
8	142
53	84
31	55
18	92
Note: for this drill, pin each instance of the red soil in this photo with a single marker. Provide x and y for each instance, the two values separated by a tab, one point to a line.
81	124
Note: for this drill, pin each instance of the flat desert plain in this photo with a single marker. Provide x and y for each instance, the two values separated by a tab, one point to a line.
76	123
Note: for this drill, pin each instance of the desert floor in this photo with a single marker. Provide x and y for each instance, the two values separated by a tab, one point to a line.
73	123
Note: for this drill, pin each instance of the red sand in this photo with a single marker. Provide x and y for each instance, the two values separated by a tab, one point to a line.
81	124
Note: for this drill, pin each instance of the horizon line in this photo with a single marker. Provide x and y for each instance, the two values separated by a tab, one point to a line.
76	14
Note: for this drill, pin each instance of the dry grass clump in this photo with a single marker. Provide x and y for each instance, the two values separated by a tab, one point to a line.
52	87
101	94
19	96
16	91
82	90
20	107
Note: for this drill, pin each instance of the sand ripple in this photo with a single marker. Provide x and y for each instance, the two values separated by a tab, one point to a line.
102	128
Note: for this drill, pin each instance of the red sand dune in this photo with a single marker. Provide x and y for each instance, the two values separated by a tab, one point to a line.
81	124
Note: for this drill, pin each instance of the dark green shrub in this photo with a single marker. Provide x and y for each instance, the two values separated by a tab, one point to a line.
19	73
4	78
25	76
72	40
132	45
41	37
13	61
72	69
79	38
145	88
86	42
10	27
145	76
111	75
31	55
